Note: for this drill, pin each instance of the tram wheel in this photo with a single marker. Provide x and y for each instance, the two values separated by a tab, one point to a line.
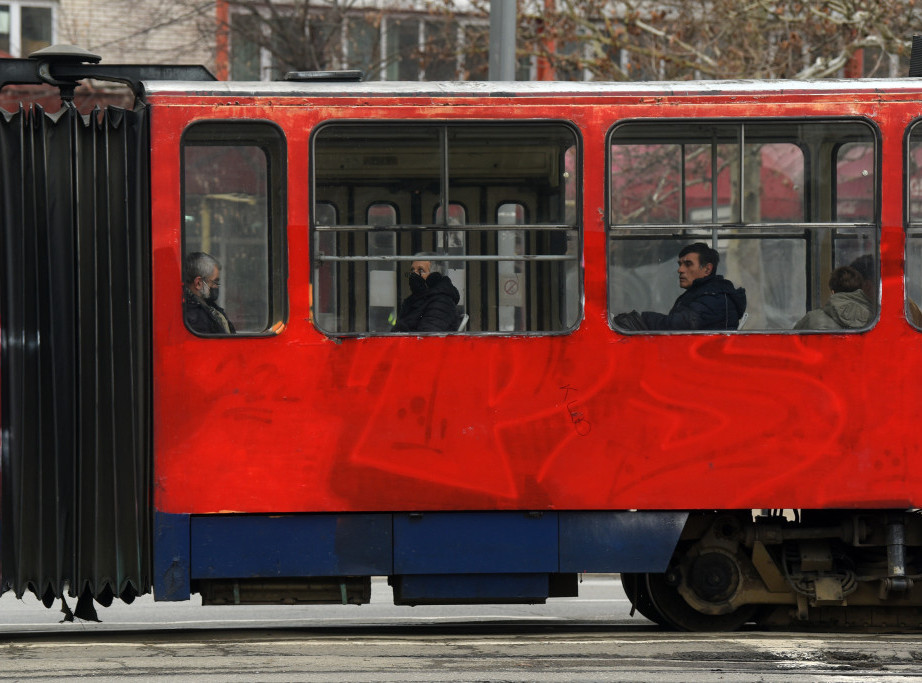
678	614
635	587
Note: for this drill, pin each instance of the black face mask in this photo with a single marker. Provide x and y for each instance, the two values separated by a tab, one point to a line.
417	283
212	297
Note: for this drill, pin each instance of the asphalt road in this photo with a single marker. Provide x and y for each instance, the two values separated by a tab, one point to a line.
601	602
592	638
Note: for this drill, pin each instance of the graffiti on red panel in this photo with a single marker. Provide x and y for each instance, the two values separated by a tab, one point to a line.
685	421
581	423
481	421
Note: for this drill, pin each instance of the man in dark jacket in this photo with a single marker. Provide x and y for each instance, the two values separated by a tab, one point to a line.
709	303
433	304
201	282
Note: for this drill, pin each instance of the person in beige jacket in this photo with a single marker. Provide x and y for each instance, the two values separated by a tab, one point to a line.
847	308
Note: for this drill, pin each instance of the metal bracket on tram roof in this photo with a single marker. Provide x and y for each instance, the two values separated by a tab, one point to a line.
344	75
65	65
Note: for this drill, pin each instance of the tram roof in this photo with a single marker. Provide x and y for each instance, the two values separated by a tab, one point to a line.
526	89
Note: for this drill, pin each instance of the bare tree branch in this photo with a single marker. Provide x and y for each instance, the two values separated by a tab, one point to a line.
608	39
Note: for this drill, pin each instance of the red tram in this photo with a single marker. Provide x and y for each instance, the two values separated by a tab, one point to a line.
315	447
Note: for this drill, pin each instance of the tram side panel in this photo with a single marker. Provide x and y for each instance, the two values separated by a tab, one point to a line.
326	427
486	430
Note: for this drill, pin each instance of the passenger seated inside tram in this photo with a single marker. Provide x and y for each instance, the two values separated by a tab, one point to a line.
201	275
433	302
710	302
848	308
865	266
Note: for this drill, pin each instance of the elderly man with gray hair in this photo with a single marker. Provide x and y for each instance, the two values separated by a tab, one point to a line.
201	275
433	302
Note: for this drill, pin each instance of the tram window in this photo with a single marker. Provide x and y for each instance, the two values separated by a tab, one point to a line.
913	276
855	170
233	207
784	203
516	270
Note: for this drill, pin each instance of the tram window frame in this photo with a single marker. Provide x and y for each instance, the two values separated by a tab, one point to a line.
269	138
478	265
826	244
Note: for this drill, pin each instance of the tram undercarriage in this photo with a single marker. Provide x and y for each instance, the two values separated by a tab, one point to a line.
813	569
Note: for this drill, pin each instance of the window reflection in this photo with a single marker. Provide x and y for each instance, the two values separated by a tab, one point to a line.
784	204
232	212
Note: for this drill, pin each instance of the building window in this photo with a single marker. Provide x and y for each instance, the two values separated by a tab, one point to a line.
785	204
26	27
384	45
403	49
362	46
246	53
509	241
233	183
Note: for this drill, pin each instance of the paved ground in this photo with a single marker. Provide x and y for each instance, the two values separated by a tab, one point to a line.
587	639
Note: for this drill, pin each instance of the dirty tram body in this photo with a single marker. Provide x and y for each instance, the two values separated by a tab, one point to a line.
758	474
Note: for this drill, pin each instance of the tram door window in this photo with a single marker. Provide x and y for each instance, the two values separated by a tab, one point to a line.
452	243
913	186
511	294
509	239
783	202
382	279
325	216
233	209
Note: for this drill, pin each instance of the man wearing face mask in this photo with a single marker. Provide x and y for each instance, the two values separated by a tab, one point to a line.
433	303
201	282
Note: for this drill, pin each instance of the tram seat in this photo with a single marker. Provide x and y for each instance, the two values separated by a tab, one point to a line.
463	325
743	320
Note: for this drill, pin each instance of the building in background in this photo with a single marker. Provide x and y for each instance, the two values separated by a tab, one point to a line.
26	26
387	39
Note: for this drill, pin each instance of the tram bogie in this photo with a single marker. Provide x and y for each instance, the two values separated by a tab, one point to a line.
822	568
